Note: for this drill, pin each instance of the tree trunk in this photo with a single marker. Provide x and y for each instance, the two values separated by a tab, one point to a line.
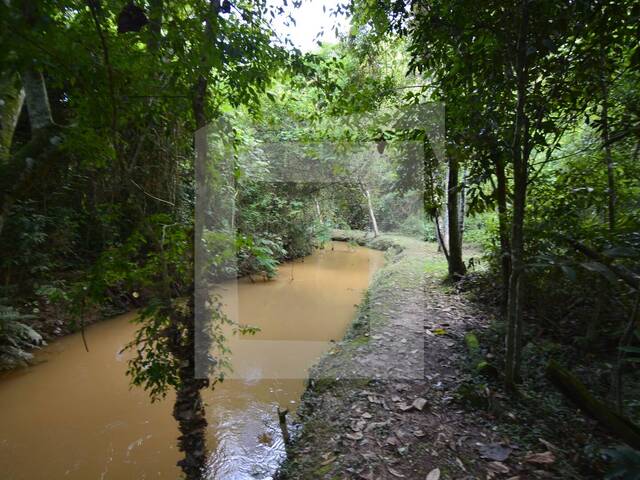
37	100
372	216
18	172
520	179
442	245
456	265
445	212
188	409
462	205
625	341
503	228
611	182
11	101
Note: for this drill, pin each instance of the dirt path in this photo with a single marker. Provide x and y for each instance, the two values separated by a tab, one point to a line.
381	404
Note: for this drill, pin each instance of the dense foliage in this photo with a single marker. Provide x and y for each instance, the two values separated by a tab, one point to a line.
102	104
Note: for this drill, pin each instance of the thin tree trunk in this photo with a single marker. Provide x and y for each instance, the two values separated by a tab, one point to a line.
625	341
611	182
503	228
189	407
456	265
462	205
520	177
11	101
592	327
441	241
445	213
374	223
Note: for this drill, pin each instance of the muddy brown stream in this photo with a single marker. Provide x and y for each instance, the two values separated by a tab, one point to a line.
74	416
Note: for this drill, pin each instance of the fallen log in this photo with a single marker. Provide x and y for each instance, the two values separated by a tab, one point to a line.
626	275
577	393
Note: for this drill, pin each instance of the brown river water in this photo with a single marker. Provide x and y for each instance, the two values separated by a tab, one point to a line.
74	416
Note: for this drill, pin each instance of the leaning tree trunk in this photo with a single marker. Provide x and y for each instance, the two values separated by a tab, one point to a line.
372	215
456	265
520	179
577	393
11	101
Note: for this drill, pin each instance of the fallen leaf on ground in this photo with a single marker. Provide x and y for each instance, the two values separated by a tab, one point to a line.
374	425
495	451
541	458
354	436
434	474
395	473
419	403
419	433
329	460
498	467
549	445
358	426
391	440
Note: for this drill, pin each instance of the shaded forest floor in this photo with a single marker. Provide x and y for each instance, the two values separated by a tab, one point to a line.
399	398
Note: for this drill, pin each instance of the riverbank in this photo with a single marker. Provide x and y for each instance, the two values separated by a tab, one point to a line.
386	402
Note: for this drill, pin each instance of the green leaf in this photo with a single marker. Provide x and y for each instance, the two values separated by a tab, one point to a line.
601	269
630	349
621	252
569	272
